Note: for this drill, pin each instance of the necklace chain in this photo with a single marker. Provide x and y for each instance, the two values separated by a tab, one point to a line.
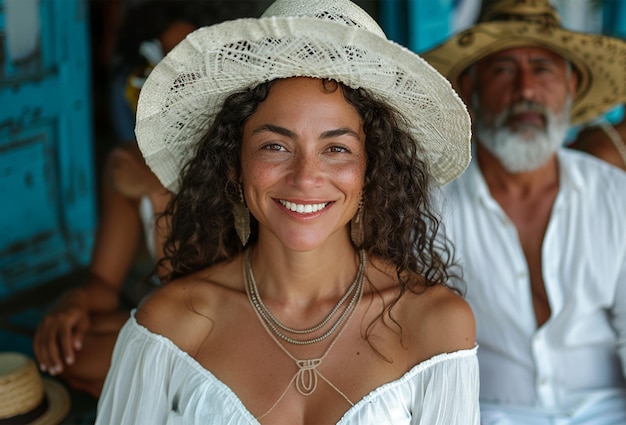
255	292
306	377
277	327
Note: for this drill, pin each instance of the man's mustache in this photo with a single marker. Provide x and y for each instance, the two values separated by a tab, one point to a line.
526	106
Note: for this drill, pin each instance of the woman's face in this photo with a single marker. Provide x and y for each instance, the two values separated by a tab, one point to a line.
303	163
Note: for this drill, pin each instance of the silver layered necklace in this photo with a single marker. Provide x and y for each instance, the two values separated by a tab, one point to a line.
281	330
306	378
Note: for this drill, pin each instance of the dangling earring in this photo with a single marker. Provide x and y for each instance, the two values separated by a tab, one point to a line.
357	230
242	218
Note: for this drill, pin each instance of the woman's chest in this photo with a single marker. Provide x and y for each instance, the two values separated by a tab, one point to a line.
277	380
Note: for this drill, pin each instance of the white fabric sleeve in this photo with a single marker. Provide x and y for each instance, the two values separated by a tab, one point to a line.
136	387
449	395
618	314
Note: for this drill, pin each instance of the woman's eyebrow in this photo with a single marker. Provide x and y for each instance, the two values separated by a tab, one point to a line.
288	133
274	129
340	132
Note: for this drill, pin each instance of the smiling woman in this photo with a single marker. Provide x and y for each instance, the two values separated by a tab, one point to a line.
303	246
303	157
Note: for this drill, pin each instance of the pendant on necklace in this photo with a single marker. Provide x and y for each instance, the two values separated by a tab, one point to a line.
306	378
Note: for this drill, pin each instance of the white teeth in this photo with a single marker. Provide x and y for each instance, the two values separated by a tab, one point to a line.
302	208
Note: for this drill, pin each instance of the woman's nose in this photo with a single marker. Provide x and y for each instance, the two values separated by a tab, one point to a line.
306	169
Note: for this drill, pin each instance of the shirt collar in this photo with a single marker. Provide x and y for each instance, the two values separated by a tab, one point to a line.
570	175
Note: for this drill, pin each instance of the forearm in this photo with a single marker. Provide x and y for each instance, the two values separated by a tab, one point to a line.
95	295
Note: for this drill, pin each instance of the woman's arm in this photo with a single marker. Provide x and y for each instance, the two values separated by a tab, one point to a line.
61	332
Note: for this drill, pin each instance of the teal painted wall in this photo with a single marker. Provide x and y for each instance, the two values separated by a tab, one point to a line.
46	141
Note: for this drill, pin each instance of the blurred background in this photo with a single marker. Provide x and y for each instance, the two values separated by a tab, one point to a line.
62	110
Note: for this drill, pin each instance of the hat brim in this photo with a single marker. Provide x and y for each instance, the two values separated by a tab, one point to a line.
600	61
187	88
59	403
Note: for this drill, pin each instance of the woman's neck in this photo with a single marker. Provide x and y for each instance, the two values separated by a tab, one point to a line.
303	277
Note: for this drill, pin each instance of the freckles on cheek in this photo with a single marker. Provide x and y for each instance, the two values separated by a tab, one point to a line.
260	171
353	180
348	175
256	173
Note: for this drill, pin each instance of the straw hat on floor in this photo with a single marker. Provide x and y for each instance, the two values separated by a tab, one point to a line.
26	397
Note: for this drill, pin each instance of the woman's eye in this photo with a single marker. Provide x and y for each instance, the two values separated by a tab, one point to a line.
273	147
338	149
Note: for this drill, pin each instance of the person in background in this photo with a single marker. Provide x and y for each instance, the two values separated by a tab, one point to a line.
605	140
75	338
539	228
131	26
308	283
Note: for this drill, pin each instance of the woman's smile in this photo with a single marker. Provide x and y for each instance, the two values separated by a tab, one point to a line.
303	208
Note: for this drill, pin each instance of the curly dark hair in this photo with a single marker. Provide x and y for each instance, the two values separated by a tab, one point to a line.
401	224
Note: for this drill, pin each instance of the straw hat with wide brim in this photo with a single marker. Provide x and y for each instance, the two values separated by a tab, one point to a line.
600	61
26	397
332	39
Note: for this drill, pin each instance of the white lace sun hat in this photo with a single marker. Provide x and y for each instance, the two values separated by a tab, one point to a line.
332	39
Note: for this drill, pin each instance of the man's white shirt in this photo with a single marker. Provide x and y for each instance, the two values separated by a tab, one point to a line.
574	364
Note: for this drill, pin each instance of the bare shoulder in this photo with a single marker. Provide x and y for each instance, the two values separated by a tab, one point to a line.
438	320
433	320
453	324
185	309
169	312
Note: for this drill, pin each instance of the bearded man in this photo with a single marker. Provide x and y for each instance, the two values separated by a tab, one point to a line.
539	229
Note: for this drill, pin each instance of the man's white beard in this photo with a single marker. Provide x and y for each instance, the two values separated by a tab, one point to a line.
527	148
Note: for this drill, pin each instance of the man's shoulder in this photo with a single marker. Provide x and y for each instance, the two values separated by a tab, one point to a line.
598	180
590	165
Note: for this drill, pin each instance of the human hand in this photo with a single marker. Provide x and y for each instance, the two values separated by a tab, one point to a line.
59	336
130	175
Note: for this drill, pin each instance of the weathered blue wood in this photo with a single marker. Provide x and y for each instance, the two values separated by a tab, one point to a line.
614	23
429	23
393	20
46	144
416	24
614	17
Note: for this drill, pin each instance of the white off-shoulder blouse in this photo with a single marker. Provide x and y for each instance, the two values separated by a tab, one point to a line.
152	381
